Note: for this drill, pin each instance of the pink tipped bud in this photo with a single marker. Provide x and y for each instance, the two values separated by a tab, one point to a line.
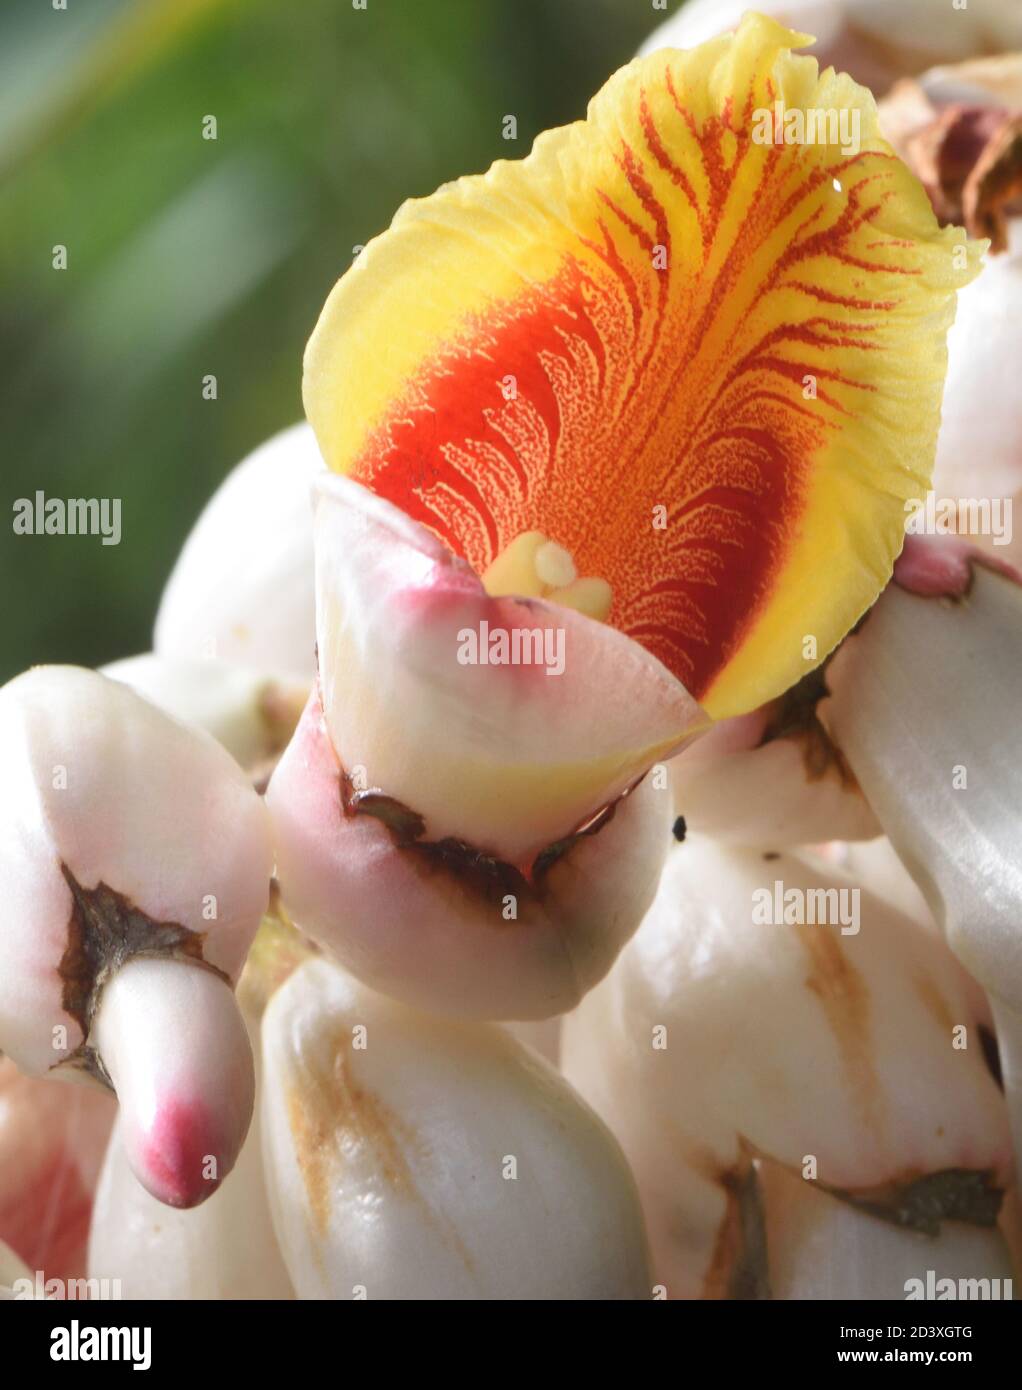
174	1043
135	861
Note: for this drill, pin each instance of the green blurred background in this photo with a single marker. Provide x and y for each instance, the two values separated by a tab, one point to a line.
189	256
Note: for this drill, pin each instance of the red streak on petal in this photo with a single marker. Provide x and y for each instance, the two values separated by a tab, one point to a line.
556	459
636	384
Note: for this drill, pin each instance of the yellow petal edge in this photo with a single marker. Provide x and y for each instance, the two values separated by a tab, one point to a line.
708	366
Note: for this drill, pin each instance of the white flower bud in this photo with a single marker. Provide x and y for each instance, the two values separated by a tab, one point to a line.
742	784
844	1046
925	705
408	1157
251	714
242	590
226	1249
134	869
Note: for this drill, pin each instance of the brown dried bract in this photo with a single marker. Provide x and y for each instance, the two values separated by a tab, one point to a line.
923	1202
105	930
489	878
794	715
968	157
739	1267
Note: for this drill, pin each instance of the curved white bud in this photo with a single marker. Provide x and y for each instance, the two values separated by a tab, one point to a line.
225	1249
250	714
411	1158
507	756
824	1248
134	870
242	589
121	832
925	704
440	927
174	1044
724	1037
741	790
925	701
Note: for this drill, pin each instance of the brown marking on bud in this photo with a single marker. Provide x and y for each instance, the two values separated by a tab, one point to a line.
845	998
794	716
104	931
481	874
739	1266
934	1001
922	1201
332	1118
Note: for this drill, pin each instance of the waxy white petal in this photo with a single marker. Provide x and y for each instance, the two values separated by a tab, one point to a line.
925	704
250	714
506	757
428	927
225	1249
409	1157
717	1038
173	1041
242	589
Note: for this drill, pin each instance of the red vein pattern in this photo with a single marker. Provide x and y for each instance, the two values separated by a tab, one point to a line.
701	281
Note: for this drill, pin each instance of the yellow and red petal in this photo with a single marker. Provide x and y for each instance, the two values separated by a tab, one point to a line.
627	321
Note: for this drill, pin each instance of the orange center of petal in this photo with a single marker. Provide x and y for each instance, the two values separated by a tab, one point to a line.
668	467
705	363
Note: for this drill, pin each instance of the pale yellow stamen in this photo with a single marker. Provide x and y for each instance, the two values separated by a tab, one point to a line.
555	566
514	569
592	597
533	566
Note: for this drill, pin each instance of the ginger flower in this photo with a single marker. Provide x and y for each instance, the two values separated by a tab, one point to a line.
653	398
